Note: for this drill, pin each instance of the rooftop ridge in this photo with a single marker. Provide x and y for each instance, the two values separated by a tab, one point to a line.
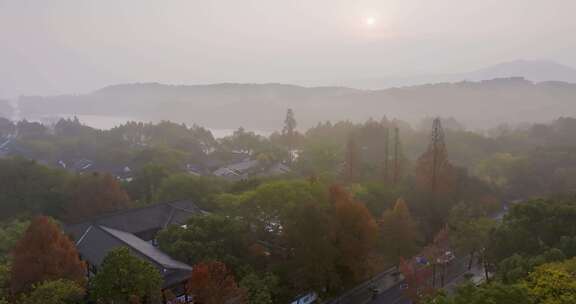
84	235
94	220
106	230
170	216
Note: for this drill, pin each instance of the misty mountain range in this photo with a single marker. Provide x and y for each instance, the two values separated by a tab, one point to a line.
533	70
513	92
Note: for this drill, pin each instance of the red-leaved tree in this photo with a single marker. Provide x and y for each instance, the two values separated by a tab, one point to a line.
417	279
213	283
356	234
44	254
94	194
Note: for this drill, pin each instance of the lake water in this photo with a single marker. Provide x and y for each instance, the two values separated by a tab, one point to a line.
109	122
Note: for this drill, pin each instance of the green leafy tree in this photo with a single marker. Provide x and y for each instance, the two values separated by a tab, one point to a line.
55	292
27	188
310	238
147	182
123	277
188	187
244	141
267	208
207	237
170	159
10	233
500	168
352	160
496	293
289	130
554	283
471	235
260	288
376	196
319	158
4	282
533	227
517	267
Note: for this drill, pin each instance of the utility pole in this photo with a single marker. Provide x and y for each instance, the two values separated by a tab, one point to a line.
438	147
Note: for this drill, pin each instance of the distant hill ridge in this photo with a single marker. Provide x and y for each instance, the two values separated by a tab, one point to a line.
534	70
262	106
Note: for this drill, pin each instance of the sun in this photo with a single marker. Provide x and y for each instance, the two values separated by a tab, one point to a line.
370	21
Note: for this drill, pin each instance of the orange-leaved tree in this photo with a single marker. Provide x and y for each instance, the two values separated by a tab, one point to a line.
399	232
43	254
213	283
356	234
94	194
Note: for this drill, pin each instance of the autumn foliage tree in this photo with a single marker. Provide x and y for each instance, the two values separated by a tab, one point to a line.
44	254
212	283
94	194
417	279
356	234
399	232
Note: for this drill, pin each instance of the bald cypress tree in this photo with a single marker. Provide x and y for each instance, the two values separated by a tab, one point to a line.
355	235
213	283
94	194
44	254
399	232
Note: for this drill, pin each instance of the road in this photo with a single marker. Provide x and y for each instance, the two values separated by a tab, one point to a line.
390	285
391	296
454	273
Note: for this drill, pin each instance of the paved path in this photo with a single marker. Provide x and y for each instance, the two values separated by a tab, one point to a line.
363	293
391	296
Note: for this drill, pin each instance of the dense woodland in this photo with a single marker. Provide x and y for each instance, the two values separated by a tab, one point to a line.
361	198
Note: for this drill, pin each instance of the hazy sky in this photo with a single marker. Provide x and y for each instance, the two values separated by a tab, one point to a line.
75	46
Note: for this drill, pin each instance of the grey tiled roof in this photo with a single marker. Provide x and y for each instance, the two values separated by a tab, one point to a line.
140	220
146	249
236	168
95	238
98	241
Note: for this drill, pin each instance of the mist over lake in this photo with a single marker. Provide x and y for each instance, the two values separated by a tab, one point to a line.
106	122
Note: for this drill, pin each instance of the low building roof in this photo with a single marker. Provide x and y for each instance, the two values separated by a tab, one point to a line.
236	168
132	228
98	241
140	220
